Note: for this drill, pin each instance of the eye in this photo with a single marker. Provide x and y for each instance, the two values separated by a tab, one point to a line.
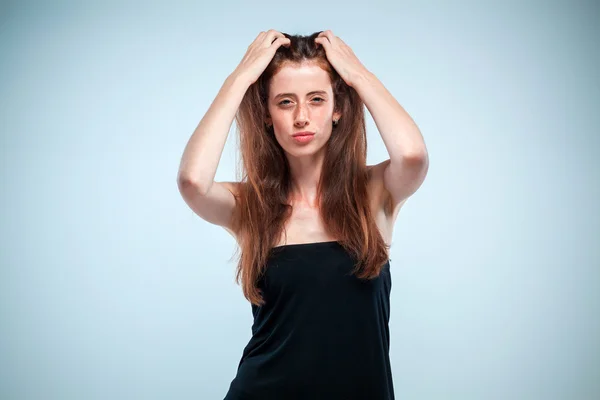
282	103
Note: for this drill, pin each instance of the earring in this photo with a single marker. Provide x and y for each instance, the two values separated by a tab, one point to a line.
335	122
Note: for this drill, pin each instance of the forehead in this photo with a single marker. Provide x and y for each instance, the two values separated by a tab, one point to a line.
300	79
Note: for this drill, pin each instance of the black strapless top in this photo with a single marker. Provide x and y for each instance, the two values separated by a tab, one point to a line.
322	334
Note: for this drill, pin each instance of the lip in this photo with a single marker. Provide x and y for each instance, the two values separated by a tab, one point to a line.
303	137
306	133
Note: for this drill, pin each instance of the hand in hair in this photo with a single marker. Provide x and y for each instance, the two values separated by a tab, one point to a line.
341	57
259	54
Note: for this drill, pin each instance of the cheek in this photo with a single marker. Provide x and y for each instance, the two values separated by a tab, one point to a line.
279	117
321	114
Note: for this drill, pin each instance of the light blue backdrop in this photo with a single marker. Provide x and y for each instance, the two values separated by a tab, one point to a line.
112	288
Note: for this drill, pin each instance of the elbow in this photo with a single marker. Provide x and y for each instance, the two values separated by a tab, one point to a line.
184	179
186	183
416	157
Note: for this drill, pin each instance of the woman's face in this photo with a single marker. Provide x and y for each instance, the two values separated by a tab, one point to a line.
301	100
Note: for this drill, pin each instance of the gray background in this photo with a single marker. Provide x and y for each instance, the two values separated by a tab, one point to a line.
112	288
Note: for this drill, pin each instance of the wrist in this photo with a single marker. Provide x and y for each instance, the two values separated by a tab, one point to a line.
361	77
239	78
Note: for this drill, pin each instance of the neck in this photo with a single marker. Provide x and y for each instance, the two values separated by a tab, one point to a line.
305	176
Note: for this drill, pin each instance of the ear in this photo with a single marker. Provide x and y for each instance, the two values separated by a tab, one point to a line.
337	115
268	121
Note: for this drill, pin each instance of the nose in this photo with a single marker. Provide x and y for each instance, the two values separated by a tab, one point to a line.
301	118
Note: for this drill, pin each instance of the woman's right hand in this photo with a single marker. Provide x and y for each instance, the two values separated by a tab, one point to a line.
259	54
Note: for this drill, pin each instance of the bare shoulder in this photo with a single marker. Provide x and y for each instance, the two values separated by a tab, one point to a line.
233	187
381	197
216	205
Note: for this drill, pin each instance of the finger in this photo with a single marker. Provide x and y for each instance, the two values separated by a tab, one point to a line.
323	41
270	37
281	41
327	34
257	39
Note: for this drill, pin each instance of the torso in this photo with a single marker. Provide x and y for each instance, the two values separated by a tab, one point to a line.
305	225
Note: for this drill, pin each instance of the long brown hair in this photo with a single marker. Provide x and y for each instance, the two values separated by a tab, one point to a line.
262	206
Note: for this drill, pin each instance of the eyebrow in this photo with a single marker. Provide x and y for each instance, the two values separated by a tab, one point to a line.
322	92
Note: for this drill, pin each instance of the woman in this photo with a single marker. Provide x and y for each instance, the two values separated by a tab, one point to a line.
312	220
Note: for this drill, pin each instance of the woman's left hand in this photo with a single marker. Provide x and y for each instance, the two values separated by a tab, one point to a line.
341	57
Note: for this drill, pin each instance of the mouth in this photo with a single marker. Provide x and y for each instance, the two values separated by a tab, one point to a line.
303	134
303	137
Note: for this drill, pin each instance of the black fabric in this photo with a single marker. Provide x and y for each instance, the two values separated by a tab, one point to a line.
322	334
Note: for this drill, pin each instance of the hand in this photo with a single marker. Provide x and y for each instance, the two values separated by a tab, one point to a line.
259	54
341	57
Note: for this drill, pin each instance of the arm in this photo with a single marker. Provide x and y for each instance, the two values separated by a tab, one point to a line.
409	159
215	201
203	151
